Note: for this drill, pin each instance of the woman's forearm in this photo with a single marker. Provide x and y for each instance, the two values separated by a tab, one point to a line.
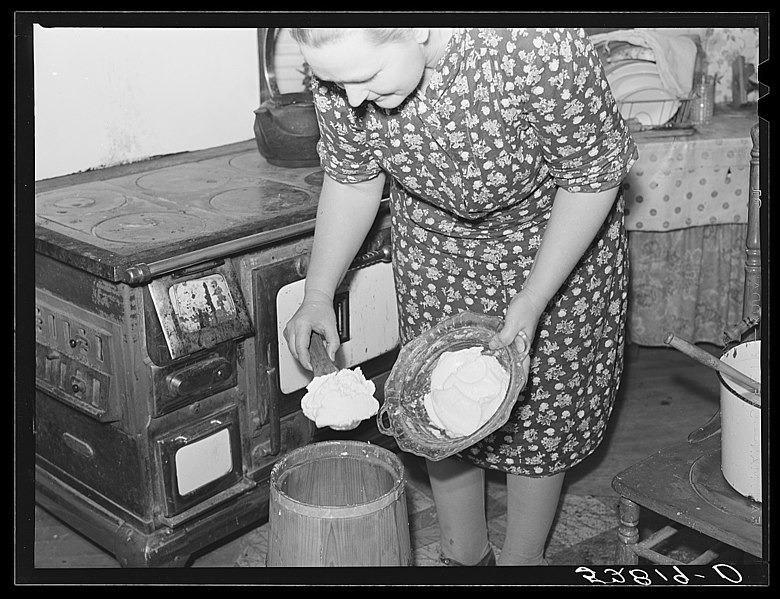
344	216
574	222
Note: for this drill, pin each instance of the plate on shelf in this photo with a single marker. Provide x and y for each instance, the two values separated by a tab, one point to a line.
625	86
651	106
629	69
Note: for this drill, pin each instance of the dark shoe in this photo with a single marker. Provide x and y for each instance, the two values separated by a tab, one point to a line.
488	560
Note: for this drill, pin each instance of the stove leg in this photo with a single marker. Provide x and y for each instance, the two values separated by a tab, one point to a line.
628	532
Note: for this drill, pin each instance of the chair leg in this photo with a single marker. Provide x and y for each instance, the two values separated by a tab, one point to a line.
628	533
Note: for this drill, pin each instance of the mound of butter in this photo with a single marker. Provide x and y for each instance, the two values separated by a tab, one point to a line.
467	387
339	399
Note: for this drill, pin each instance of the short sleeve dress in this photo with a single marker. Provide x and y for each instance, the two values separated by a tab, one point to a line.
475	160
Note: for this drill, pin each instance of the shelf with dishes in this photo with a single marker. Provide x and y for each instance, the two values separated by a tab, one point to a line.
644	100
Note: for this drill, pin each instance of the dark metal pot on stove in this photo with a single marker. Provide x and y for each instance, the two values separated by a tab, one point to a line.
286	126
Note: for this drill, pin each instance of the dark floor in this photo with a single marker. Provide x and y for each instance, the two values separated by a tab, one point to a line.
664	396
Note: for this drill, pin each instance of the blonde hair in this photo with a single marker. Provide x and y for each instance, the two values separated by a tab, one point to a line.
316	37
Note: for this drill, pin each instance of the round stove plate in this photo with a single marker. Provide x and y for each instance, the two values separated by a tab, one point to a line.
67	201
148	227
263	198
184	180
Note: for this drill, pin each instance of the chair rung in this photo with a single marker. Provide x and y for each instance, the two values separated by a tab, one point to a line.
645	549
707	556
657	537
657	558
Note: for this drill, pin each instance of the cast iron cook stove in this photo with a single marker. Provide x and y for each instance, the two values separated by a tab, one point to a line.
164	389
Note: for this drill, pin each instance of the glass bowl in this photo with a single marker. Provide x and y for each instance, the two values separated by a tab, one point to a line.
403	414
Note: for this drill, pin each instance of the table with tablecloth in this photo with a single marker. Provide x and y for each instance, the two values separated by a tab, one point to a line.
686	213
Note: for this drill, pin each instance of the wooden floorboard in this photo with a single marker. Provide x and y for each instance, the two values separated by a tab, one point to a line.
664	395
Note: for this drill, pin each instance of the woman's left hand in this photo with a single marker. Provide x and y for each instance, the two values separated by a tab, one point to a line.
522	318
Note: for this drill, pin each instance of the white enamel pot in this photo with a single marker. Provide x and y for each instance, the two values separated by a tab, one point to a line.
741	422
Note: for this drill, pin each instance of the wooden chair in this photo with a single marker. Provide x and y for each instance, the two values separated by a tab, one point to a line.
684	483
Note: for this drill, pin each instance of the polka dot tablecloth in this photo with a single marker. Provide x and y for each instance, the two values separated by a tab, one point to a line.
686	201
690	181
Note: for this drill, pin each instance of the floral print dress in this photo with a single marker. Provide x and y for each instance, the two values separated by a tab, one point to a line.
475	159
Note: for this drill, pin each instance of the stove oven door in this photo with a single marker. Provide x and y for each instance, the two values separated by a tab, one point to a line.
201	465
366	317
367	320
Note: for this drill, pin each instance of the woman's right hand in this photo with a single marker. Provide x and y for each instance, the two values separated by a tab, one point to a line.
315	314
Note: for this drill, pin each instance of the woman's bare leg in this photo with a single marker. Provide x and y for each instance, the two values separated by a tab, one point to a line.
531	507
459	493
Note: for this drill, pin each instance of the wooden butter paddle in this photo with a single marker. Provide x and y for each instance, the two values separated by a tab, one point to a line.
322	365
708	359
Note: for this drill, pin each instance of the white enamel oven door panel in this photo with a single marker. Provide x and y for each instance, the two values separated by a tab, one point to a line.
200	463
366	313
